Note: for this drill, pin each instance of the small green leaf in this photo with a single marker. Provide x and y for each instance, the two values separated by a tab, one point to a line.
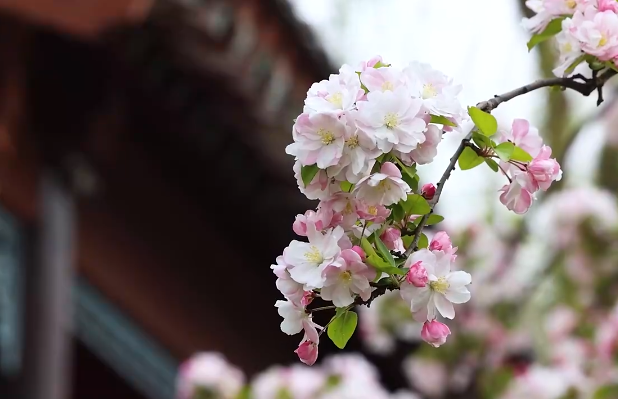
416	205
410	171
442	120
487	123
423	242
346	186
492	164
380	64
481	140
386	254
434	219
362	84
505	151
520	155
606	392
307	173
469	159
342	327
612	66
407	241
553	28
397	212
373	258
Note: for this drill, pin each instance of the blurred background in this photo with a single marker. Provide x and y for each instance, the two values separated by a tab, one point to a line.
144	191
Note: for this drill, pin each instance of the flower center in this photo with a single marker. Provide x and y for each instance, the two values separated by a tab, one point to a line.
314	255
429	91
391	120
602	40
372	210
336	99
346	276
440	285
384	186
567	48
352	142
387	86
571	3
348	210
327	136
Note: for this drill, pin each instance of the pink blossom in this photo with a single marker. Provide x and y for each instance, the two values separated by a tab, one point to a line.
597	32
425	152
546	10
524	136
568	47
383	188
339	93
307	298
307	352
428	191
607	5
285	284
392	239
435	89
320	219
517	196
392	118
348	276
359	251
441	242
319	188
417	275
344	205
372	62
209	371
318	139
296	319
373	213
544	170
435	333
382	79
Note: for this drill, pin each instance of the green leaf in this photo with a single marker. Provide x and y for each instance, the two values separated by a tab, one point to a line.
606	392
386	254
469	159
505	151
307	173
492	164
520	155
342	327
380	64
442	120
416	205
434	219
245	393
574	64
481	140
612	66
407	170
397	212
373	258
553	28
423	242
362	84
346	186
487	123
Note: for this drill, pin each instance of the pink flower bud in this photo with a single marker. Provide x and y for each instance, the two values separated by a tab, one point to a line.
307	298
608	5
417	275
359	251
307	352
392	239
435	333
543	169
428	191
440	242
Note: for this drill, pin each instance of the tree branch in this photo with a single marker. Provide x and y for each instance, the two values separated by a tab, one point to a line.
587	87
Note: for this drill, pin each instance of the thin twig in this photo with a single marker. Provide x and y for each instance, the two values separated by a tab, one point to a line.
585	88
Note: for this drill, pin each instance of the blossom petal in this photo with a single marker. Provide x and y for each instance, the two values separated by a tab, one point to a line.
443	305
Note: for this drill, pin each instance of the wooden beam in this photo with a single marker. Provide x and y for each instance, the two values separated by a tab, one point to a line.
85	18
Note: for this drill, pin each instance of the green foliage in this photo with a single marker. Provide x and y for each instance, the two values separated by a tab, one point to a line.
245	393
307	173
606	392
423	242
380	64
204	393
492	164
397	212
415	204
408	174
469	159
442	120
379	262
494	382
481	140
553	28
346	186
520	155
342	327
434	219
487	123
386	254
505	151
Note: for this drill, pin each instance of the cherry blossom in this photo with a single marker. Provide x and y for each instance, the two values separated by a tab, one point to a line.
318	139
425	152
544	170
346	277
382	79
444	288
517	195
291	289
435	333
338	93
428	191
392	239
597	32
524	136
383	188
209	371
320	219
295	319
373	213
319	188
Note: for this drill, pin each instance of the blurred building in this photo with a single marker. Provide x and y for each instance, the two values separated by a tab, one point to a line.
144	188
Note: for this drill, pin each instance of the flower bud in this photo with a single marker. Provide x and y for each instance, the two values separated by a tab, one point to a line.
392	239
307	298
440	242
417	275
428	191
359	251
435	333
307	352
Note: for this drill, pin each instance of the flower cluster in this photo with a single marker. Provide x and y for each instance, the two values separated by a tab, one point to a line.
356	145
526	178
341	377
587	30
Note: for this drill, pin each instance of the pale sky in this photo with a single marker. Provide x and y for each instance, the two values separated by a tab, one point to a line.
479	43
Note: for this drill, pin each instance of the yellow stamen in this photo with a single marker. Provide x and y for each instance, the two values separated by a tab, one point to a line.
352	142
440	285
346	276
387	86
372	210
571	3
336	99
429	91
326	135
602	41
391	120
314	255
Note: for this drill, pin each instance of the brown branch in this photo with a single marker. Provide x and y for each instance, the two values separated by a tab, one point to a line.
587	87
